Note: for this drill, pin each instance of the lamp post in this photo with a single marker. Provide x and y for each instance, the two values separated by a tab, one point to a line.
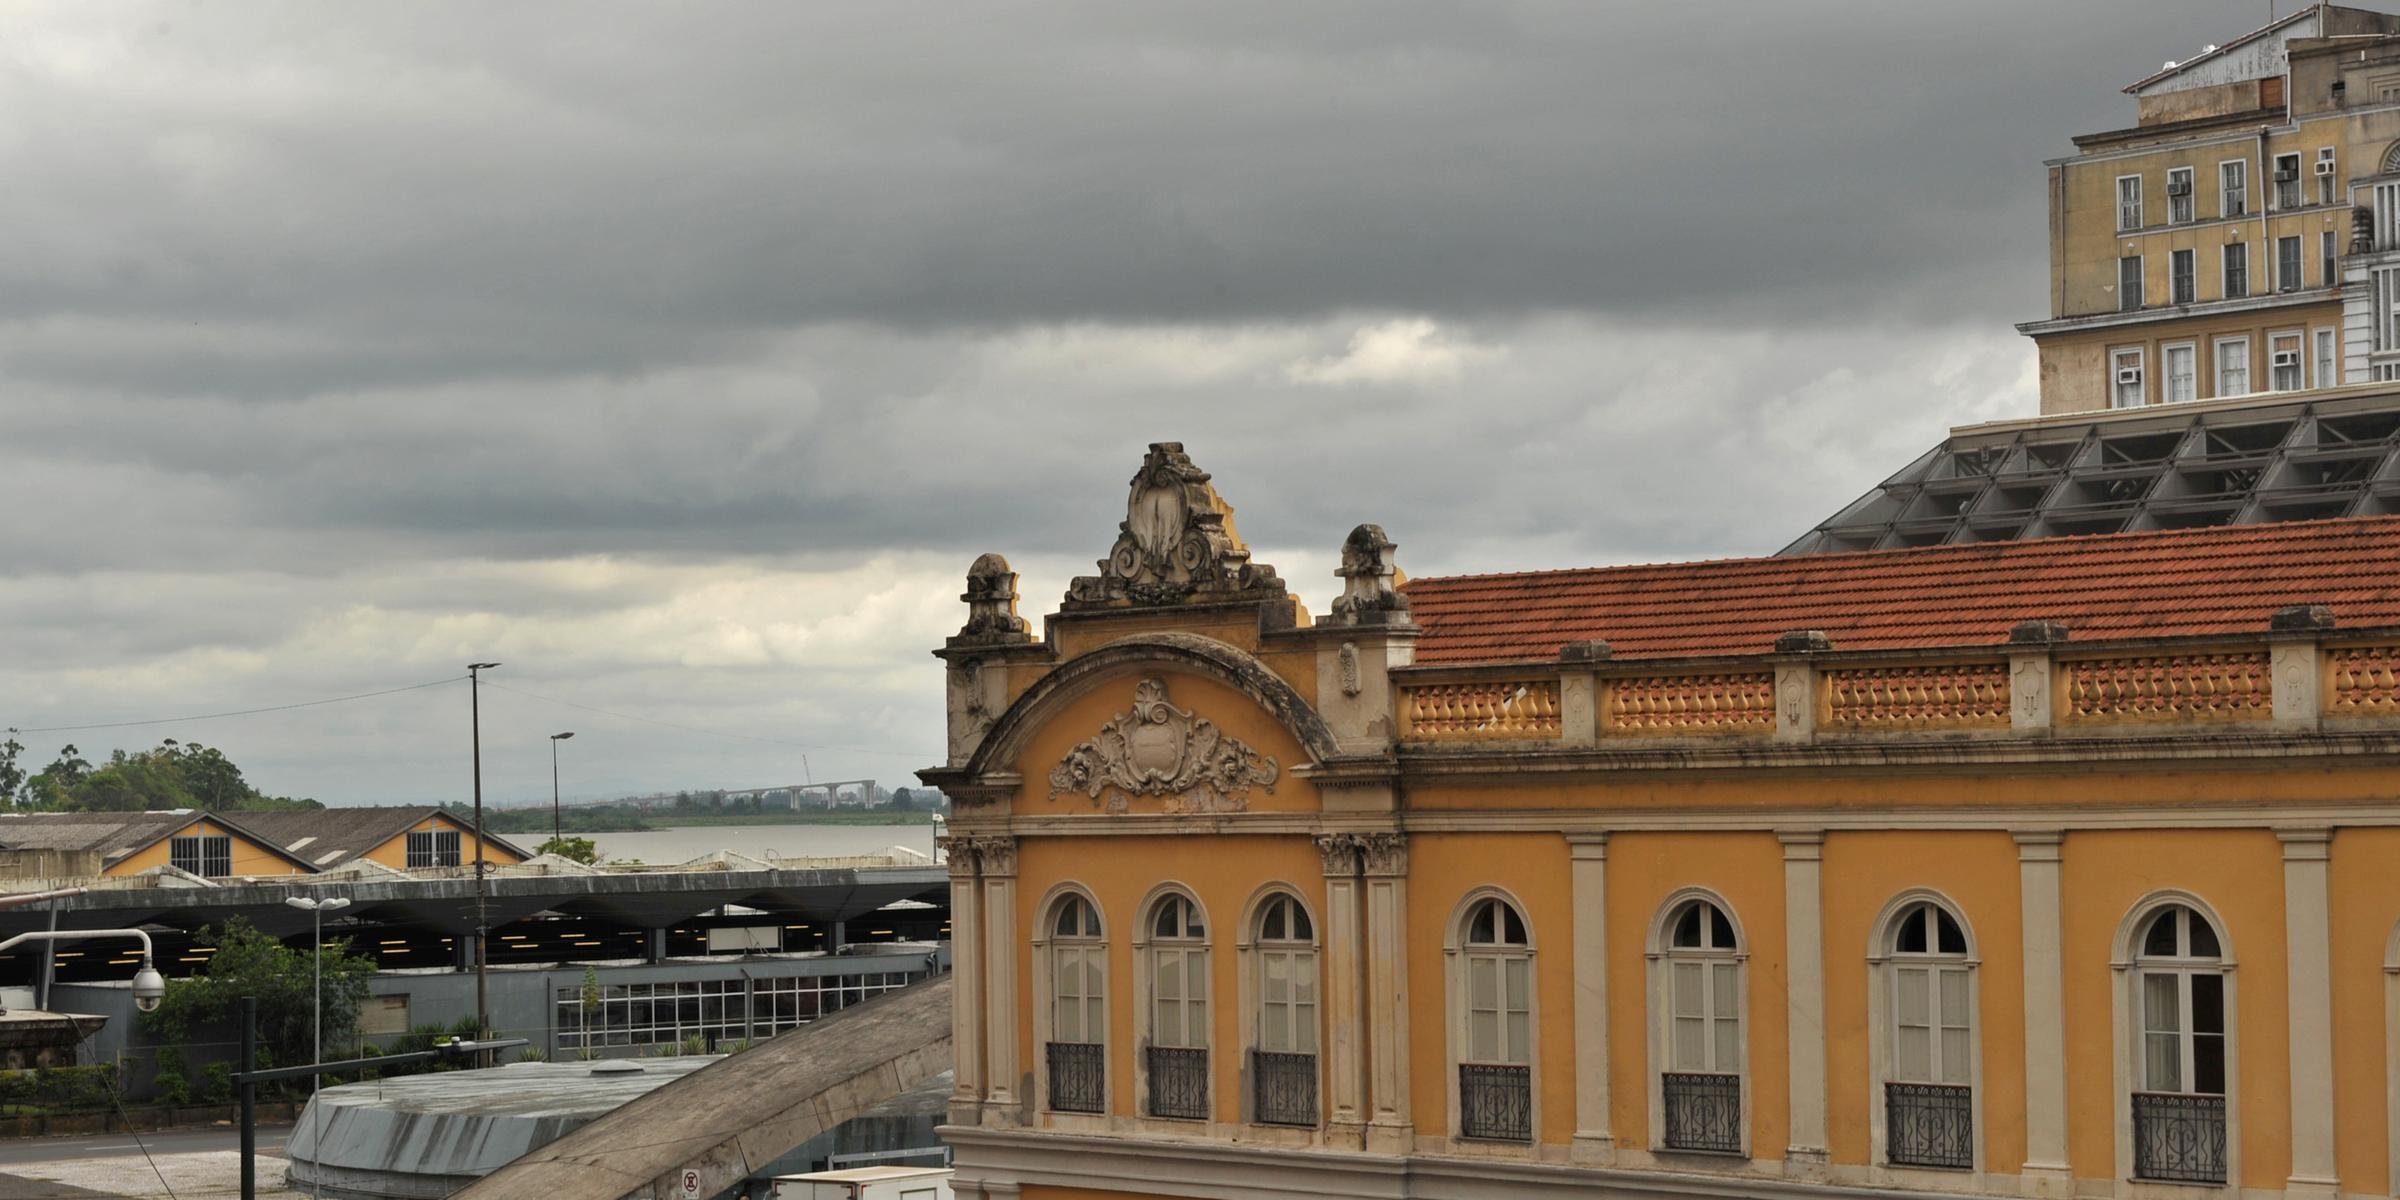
483	1011
938	822
555	832
316	909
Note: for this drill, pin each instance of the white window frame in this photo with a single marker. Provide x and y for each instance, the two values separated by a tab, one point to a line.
1884	962
2180	208
2325	361
2328	181
1662	1010
2225	256
2166	372
2298	192
1150	951
1300	955
2216	364
2118	359
2300	350
2125	962
2129	203
1047	948
1459	958
2233	179
2387	215
2183	268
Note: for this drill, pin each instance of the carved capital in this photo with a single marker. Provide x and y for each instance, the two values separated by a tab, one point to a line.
1158	749
958	853
1177	545
995	854
1370	581
1340	851
1383	854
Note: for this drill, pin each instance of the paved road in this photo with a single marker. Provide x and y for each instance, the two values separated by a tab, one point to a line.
18	1151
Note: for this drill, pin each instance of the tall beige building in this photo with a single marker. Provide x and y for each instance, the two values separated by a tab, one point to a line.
2243	235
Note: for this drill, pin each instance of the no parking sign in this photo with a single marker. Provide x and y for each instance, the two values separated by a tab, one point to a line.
688	1183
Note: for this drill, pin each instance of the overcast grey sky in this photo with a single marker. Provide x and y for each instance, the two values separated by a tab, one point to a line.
681	356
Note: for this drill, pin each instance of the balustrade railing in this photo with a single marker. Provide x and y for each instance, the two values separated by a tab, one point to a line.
2179	1137
1178	1082
1929	1125
1495	1102
1078	1077
1283	1088
1703	1111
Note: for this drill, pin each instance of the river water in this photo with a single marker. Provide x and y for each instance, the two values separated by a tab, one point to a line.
659	847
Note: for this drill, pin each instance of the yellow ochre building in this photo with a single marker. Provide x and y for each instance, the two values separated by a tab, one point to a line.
2052	867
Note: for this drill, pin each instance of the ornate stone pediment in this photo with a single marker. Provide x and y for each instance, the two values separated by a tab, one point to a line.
1177	544
1158	749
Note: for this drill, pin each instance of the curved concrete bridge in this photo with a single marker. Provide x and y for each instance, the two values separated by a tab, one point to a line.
745	1111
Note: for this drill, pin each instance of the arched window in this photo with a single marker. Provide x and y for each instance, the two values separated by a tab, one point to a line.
1700	1085
1283	1065
1928	1052
1495	1069
2179	989
1078	1007
1177	1054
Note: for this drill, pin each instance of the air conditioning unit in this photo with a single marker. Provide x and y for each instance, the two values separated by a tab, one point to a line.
2287	174
2178	187
2129	375
2285	358
2324	166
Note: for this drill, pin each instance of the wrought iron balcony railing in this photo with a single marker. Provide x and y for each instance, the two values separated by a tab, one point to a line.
2179	1137
1178	1083
1283	1088
1078	1077
1703	1111
1929	1125
1495	1102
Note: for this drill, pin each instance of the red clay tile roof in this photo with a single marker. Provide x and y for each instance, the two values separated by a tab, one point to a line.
2169	583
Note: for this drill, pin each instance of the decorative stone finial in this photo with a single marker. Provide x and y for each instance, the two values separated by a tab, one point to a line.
1803	641
2301	618
1370	581
991	598
1587	650
2037	633
1177	545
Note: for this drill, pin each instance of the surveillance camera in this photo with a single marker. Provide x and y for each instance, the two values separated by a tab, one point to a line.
149	989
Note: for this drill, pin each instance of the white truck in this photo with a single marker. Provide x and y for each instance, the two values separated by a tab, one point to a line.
866	1183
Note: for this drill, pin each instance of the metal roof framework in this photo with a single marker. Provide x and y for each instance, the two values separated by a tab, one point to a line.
2170	467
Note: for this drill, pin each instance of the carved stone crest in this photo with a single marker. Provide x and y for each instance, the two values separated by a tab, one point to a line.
991	598
1176	545
1158	749
1369	581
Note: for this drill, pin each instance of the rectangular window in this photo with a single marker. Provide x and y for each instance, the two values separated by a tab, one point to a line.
2129	202
2233	188
2179	196
2287	264
2125	378
2180	280
2233	366
2387	308
2129	283
2237	270
2286	369
2183	372
204	855
2287	181
2327	185
2328	375
433	848
2328	265
2387	216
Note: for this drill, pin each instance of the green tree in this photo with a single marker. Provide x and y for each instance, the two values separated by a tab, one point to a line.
12	775
250	963
580	849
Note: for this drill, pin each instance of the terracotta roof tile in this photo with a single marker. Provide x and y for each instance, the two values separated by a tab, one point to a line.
2169	583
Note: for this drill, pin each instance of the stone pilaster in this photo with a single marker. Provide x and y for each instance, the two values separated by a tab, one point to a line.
2046	1172
1804	950
1345	993
1595	1143
1383	871
996	859
2307	913
966	965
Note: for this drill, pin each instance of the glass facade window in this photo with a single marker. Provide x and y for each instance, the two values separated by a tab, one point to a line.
714	1010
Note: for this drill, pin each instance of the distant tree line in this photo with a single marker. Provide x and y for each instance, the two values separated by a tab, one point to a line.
172	775
626	816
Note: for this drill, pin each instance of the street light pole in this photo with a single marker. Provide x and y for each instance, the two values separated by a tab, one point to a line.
483	1010
316	1084
555	832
